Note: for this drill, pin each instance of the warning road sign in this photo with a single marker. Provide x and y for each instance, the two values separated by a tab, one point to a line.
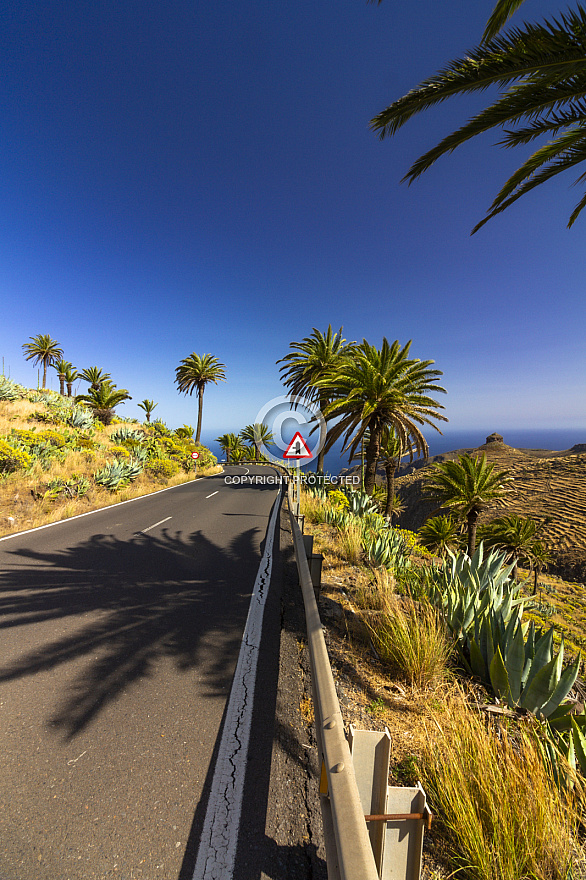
297	448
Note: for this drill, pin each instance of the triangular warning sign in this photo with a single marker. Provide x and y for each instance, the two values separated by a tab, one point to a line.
297	448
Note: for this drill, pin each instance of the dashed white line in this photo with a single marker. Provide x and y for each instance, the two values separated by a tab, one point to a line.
213	493
154	525
217	850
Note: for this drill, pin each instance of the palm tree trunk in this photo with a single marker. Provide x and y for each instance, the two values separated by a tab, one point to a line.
390	473
44	374
62	384
472	524
199	414
372	456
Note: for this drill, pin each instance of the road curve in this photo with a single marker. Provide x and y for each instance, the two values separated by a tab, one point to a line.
120	634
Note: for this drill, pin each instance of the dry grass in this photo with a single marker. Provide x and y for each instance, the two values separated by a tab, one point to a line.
312	508
350	539
22	506
411	638
504	817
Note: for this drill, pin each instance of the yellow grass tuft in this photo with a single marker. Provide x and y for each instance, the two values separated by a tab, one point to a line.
504	816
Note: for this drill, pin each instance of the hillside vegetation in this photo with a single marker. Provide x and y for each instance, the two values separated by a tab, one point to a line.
57	460
545	485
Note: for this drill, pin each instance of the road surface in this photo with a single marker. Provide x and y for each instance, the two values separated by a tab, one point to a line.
120	634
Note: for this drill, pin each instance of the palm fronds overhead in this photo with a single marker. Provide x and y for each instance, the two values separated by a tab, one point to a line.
541	71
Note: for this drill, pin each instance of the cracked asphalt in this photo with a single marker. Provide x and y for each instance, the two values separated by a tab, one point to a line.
120	635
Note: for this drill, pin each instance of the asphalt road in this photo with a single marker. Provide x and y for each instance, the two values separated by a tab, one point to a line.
119	636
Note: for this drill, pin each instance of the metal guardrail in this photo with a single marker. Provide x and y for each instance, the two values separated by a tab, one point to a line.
348	848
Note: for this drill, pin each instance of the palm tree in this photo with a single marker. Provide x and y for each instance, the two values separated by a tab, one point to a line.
379	389
540	558
95	376
257	435
62	367
230	444
148	406
467	486
313	359
103	400
71	375
516	535
42	350
185	432
391	453
193	374
440	534
540	70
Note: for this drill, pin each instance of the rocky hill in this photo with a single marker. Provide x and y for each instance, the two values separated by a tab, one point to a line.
544	484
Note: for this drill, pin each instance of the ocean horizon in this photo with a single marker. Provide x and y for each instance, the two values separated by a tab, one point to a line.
556	439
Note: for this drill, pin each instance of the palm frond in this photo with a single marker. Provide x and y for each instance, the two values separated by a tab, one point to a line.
501	13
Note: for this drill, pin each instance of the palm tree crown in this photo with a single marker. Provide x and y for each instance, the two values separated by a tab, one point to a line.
103	400
310	361
148	406
42	350
467	485
193	374
95	376
541	72
257	435
62	367
377	389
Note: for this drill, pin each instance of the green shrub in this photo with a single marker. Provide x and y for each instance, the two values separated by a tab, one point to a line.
13	459
162	468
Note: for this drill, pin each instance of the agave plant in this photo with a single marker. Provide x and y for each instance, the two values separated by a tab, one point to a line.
360	503
9	390
80	418
463	586
118	474
124	435
385	548
523	672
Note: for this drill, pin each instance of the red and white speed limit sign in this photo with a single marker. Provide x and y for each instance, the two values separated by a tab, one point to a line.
195	455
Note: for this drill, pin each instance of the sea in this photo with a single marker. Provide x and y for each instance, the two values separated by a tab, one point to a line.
556	439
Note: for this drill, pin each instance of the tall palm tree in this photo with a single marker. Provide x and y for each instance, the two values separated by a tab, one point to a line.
42	350
257	435
377	389
95	376
467	486
148	406
540	70
71	375
62	367
314	359
193	374
103	400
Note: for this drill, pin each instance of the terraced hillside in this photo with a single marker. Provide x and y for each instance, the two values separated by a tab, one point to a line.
544	485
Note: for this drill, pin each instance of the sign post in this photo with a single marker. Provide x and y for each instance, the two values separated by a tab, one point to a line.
297	450
195	456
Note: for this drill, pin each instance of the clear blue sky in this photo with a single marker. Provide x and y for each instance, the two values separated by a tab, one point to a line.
195	176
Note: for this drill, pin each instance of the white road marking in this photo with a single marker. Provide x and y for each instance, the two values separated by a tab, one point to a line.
213	493
154	525
219	838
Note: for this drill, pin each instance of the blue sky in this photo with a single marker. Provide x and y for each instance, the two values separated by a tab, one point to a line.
186	176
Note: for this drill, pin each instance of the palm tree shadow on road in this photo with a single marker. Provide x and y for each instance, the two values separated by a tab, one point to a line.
148	598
